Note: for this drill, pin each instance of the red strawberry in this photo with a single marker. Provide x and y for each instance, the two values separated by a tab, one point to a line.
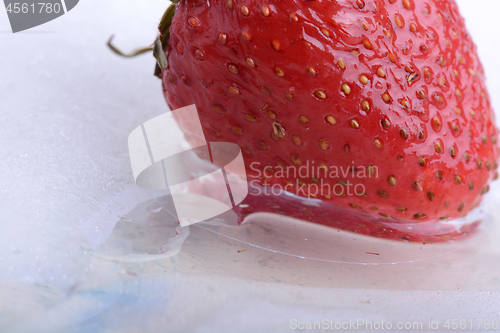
391	90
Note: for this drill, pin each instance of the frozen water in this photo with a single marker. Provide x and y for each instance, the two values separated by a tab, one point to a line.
67	106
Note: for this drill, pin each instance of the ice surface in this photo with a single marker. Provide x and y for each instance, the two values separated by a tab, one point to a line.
67	106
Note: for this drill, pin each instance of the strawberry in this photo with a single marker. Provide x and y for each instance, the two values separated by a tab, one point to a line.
385	98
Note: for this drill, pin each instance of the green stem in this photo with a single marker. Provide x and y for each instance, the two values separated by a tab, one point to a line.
132	54
159	44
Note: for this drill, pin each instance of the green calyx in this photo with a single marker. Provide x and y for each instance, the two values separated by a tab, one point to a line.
165	23
162	40
158	47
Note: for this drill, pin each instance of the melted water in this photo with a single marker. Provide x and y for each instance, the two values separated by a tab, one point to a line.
151	231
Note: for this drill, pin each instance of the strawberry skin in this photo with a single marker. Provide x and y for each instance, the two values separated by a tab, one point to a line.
392	90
